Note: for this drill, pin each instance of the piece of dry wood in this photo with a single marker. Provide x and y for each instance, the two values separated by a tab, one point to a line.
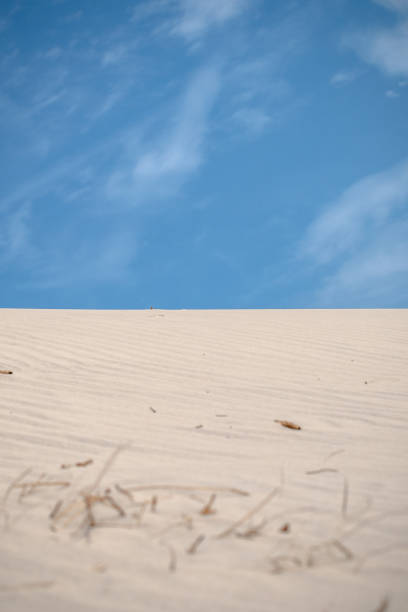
6	372
288	424
66	466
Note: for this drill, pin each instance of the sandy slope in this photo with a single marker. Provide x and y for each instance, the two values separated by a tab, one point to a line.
194	396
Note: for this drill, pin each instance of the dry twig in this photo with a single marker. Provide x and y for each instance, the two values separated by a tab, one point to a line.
288	424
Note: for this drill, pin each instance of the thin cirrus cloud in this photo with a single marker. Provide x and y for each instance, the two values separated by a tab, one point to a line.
396	5
359	241
376	275
197	16
386	48
189	19
160	169
343	77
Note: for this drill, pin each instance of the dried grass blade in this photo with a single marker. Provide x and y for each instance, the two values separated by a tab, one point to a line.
249	514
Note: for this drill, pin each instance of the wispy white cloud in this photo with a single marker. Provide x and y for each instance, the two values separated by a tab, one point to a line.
181	150
197	16
52	53
359	239
391	93
14	234
361	209
343	77
386	48
253	120
190	19
113	55
377	275
156	169
396	5
95	261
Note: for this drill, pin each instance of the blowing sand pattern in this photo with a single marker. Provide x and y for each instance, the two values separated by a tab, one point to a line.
196	395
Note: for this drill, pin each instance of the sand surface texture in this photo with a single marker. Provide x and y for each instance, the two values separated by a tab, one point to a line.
143	467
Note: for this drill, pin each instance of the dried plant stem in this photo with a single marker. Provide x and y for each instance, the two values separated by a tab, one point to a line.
192	549
208	508
249	514
105	468
173	557
9	489
344	502
42	483
321	471
188	488
125	492
383	604
27	585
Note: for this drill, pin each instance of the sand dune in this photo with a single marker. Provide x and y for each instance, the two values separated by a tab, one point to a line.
143	467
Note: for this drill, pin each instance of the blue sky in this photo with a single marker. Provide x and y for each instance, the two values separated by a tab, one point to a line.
204	153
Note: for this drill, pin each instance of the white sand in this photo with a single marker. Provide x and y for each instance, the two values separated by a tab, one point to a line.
85	382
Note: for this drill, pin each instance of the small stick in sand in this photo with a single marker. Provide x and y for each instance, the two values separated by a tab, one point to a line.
288	424
66	466
285	528
191	550
84	463
152	409
208	508
6	372
249	514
